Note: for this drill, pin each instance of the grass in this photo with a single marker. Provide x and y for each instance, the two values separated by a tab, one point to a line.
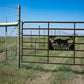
60	74
13	76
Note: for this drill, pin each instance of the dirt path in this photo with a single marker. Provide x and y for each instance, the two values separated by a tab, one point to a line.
80	76
43	79
2	54
79	80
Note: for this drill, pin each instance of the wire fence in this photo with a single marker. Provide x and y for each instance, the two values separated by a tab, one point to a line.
8	44
8	35
7	19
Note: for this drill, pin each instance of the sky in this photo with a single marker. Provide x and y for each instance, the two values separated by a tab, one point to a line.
42	10
47	10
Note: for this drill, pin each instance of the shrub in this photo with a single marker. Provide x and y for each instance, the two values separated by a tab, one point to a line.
2	41
2	49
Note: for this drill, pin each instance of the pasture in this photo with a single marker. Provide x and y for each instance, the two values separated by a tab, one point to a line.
34	73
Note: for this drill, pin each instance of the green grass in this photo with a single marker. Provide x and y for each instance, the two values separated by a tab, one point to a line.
2	41
61	74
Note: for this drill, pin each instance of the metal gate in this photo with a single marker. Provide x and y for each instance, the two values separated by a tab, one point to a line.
44	39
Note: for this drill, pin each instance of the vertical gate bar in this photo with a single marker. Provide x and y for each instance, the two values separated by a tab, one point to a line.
39	36
22	41
74	43
31	38
48	45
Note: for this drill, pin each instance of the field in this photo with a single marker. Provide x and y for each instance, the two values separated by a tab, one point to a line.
34	73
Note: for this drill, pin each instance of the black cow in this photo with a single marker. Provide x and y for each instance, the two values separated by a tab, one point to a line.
60	41
50	45
72	46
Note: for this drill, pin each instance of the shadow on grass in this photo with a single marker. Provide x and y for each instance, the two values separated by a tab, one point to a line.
55	70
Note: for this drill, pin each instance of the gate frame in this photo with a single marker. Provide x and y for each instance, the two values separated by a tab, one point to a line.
74	57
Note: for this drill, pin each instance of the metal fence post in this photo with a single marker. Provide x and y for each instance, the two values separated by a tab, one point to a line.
6	41
18	50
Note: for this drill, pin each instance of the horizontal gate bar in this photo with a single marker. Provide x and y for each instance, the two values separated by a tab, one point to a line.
34	42
54	35
51	29
52	22
79	43
51	63
34	48
47	49
43	42
34	35
51	56
65	36
35	28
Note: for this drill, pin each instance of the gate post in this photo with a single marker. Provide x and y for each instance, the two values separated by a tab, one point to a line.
18	46
6	40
